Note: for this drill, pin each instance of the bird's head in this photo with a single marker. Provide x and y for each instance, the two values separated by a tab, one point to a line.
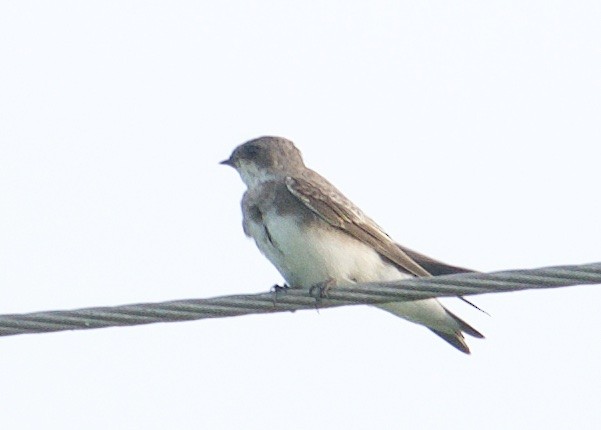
265	158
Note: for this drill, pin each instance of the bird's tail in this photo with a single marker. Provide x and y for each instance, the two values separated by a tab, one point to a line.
456	338
432	314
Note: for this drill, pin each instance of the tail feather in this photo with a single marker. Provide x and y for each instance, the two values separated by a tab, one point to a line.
456	339
473	305
465	327
434	316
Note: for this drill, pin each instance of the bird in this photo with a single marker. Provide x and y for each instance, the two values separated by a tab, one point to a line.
316	237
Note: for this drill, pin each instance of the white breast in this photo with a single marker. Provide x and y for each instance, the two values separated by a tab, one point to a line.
309	254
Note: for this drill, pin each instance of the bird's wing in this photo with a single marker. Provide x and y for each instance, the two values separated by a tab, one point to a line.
334	208
434	267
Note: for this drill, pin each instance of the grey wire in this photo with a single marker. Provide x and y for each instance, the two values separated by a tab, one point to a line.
462	284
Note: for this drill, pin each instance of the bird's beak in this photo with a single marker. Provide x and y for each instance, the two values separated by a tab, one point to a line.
227	162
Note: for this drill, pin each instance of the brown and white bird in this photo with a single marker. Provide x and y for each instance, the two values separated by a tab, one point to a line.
314	235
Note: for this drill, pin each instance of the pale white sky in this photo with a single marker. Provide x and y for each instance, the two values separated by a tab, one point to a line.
468	130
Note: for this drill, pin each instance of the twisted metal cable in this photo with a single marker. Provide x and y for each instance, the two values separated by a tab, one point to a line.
463	284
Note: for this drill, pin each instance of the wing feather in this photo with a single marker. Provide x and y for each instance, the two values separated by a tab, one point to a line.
339	212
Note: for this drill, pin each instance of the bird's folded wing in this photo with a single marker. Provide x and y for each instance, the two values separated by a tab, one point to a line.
434	267
339	212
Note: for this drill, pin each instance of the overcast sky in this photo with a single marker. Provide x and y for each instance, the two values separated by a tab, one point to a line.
469	130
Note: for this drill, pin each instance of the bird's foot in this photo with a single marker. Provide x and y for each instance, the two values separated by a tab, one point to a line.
278	289
320	290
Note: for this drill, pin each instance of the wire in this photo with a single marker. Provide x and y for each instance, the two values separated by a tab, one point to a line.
292	299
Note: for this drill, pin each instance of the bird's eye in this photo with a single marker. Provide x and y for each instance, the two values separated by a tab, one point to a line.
252	151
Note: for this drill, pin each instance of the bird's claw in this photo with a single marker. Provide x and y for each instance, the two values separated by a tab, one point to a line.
277	289
322	288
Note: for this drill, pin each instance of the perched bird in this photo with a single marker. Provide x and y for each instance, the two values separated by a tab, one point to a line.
315	236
